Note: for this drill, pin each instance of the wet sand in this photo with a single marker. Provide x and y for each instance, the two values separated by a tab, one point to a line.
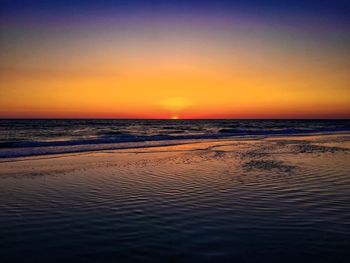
272	198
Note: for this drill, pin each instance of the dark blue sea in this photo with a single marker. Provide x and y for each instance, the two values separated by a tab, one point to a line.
38	137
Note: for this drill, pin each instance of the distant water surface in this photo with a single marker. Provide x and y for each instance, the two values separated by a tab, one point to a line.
37	137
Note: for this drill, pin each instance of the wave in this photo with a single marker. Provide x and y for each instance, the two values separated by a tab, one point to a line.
114	141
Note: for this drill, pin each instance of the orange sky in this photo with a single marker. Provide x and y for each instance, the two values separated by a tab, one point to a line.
167	69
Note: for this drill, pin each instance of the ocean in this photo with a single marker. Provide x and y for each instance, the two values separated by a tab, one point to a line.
20	138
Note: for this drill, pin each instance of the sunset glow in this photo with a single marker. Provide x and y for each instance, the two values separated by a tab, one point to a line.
161	61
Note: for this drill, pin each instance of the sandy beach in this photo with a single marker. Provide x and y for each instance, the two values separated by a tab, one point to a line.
203	201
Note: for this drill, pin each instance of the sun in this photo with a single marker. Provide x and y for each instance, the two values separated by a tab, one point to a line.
175	106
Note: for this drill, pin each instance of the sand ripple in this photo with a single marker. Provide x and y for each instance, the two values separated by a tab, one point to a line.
215	202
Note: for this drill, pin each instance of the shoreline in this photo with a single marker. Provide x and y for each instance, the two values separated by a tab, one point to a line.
168	200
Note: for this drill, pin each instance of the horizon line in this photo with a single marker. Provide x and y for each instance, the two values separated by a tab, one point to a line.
170	119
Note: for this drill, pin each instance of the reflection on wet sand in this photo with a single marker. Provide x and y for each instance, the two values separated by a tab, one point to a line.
209	201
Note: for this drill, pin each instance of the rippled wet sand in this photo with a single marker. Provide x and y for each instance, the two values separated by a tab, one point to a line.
259	200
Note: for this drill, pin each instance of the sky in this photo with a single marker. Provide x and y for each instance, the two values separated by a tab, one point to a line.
174	59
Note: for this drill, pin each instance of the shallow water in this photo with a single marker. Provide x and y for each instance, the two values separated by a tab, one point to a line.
273	200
